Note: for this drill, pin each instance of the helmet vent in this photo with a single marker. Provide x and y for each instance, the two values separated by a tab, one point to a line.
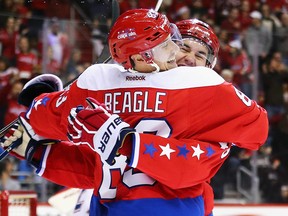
114	49
147	28
154	36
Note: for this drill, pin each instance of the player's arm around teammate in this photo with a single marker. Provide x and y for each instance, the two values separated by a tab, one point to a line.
97	83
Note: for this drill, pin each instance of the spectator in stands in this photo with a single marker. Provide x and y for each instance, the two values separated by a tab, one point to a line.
257	39
7	76
245	18
6	7
74	61
280	135
222	9
13	108
51	65
6	72
269	19
197	9
6	182
23	11
232	24
275	178
58	41
281	38
223	40
26	61
99	35
277	6
8	40
238	61
275	75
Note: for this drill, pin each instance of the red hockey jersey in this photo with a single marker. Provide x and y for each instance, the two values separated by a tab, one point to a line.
171	111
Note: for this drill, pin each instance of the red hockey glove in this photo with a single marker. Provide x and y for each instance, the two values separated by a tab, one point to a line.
89	120
96	127
21	140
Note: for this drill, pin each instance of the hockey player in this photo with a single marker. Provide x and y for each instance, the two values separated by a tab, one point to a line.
200	44
173	108
200	47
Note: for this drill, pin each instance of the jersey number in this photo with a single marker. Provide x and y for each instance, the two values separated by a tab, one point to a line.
243	97
130	178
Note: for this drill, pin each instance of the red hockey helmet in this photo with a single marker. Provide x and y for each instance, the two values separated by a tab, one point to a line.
203	33
136	31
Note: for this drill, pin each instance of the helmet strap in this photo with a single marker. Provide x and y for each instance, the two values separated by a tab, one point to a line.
214	62
157	68
131	70
153	64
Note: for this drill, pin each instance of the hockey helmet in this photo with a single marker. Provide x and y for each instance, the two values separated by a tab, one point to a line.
201	32
135	32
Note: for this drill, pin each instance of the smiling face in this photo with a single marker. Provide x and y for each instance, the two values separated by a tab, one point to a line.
192	53
203	47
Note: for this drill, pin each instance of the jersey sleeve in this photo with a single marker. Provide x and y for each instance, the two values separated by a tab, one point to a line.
177	163
66	164
49	111
233	117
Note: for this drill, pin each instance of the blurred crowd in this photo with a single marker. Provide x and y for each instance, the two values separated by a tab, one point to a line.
253	56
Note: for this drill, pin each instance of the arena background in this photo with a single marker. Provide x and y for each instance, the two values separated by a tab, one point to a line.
248	177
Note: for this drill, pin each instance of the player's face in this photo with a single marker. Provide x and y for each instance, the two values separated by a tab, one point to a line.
164	55
192	53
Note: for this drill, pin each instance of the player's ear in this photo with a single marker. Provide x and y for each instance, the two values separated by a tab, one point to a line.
138	62
137	58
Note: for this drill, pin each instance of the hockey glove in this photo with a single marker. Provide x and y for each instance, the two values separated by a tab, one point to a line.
96	127
21	140
43	83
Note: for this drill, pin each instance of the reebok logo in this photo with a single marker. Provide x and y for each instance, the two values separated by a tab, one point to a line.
133	78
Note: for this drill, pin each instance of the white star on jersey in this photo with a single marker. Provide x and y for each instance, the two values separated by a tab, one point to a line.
166	150
197	151
223	145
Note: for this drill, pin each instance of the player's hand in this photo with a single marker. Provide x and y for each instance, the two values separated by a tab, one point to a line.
89	120
23	140
96	127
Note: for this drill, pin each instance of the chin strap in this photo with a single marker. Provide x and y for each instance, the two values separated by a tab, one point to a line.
153	64
131	70
157	68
